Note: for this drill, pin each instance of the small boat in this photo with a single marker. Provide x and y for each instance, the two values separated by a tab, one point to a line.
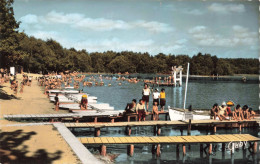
183	114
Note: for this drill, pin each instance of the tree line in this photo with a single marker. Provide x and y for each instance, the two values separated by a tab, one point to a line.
36	55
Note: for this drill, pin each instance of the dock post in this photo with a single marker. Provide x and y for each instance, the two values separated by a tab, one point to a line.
201	150
95	120
184	149
155	130
158	130
255	148
153	149
223	147
128	130
240	127
177	150
97	132
215	129
158	150
130	150
189	127
103	151
210	148
181	131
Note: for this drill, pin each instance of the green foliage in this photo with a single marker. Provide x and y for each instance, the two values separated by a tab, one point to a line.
10	52
36	55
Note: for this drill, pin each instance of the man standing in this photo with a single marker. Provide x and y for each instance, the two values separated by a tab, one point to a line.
146	93
56	98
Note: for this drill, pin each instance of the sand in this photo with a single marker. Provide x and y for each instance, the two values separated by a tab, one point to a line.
30	144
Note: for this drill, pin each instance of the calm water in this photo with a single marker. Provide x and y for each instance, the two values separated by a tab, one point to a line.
201	94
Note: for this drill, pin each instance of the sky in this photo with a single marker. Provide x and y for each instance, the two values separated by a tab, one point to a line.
227	29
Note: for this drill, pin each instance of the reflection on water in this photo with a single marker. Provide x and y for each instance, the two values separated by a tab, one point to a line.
200	94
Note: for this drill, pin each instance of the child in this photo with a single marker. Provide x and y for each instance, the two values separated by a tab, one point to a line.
155	111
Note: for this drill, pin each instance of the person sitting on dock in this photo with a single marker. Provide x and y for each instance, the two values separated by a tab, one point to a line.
56	103
140	110
156	96
214	112
223	110
237	113
130	107
246	113
84	102
155	111
162	99
251	113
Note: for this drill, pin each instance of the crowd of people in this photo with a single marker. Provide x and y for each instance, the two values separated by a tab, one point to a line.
225	112
142	107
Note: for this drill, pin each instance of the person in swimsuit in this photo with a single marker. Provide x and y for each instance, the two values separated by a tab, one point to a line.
214	112
252	113
246	113
155	111
146	93
223	110
57	102
156	96
84	102
162	99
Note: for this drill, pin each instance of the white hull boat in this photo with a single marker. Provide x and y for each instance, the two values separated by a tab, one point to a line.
180	115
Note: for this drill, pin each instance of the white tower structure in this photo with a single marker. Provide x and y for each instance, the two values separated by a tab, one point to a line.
177	75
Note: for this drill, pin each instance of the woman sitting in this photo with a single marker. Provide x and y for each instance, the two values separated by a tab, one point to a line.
130	107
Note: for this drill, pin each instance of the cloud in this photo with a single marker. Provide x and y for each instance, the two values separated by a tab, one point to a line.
226	8
193	12
81	22
44	35
239	36
29	19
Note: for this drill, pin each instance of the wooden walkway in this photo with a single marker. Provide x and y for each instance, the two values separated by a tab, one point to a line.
153	123
228	140
170	139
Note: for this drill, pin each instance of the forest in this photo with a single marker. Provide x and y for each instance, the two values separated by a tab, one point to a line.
36	55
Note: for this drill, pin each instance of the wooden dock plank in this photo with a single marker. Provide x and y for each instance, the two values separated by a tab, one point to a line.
169	139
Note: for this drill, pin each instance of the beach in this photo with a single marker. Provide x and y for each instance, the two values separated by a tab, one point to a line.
34	143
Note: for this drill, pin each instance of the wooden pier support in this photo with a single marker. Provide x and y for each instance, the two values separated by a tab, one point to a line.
128	130
240	127
158	130
103	150
130	150
97	132
184	149
95	120
177	150
223	147
189	128
201	150
255	148
215	128
158	150
181	131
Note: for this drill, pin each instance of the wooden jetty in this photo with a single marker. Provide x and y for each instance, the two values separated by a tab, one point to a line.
189	124
177	140
60	117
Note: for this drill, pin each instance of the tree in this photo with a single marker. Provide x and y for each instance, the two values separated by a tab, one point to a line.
10	53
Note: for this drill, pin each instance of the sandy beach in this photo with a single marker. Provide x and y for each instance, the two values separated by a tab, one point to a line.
30	144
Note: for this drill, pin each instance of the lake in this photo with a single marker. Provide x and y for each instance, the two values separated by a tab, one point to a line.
200	94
